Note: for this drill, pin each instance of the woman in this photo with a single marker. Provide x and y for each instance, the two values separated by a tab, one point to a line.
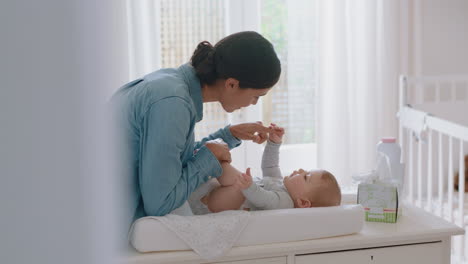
158	112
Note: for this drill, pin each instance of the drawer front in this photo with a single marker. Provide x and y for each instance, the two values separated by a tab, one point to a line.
278	260
430	253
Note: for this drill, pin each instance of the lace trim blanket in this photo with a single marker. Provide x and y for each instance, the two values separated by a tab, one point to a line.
211	235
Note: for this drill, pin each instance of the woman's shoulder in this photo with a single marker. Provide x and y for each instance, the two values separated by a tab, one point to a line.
163	88
165	83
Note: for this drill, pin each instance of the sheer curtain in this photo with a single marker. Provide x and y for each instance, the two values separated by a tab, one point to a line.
361	43
143	26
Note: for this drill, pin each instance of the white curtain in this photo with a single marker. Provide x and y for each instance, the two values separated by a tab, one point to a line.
360	47
143	25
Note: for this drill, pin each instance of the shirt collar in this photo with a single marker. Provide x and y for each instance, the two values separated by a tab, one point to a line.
194	86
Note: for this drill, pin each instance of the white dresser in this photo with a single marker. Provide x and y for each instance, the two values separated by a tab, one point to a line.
417	237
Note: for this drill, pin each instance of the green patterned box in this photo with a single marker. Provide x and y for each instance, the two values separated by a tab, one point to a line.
380	202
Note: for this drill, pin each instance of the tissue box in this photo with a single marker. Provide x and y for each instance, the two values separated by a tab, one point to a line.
380	202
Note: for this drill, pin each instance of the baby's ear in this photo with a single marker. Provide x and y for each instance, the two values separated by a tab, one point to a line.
303	203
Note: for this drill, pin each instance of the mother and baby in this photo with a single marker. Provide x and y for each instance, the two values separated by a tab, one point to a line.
163	165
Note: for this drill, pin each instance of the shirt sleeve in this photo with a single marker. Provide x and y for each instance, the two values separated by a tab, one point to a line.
225	135
270	161
261	198
165	182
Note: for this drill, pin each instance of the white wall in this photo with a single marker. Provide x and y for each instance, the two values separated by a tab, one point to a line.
438	46
58	60
444	36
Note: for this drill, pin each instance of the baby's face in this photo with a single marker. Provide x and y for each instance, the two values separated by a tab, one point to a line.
302	182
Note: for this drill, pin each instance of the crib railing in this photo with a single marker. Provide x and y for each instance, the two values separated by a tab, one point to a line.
417	133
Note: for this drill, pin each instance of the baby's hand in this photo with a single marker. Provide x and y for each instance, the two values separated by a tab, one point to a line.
245	180
276	134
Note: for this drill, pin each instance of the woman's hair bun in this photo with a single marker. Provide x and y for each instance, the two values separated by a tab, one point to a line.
203	62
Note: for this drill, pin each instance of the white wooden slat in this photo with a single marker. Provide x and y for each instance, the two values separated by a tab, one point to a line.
419	202
429	172
461	198
450	179
410	167
461	185
441	176
461	174
402	102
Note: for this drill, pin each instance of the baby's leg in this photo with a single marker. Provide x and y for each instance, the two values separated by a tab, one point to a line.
227	196
229	176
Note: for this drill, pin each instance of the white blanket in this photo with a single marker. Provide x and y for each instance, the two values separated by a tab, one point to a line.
210	235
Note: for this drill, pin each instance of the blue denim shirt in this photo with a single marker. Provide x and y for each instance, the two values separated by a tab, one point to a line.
164	165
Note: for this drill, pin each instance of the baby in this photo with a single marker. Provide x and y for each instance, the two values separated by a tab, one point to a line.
301	189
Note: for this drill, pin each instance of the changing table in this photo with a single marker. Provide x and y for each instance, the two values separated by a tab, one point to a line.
417	237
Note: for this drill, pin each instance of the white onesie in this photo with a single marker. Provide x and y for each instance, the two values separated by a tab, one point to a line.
263	194
269	192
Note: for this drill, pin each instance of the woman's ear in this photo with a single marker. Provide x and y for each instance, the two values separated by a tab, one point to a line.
303	203
231	83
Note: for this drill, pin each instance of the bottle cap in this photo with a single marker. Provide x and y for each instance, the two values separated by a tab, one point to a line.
388	140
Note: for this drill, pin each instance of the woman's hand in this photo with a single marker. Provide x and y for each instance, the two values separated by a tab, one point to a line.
219	149
276	134
251	131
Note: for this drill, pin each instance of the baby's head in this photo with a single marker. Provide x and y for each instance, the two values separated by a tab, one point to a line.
315	188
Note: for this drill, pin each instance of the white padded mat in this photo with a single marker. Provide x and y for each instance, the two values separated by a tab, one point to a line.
264	227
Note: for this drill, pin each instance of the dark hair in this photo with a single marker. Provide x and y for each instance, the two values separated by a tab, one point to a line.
245	56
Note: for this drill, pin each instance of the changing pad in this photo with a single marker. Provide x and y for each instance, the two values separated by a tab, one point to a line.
264	227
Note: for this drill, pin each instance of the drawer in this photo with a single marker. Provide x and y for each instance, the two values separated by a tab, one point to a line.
428	253
277	260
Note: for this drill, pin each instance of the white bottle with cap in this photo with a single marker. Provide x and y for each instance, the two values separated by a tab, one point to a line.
391	166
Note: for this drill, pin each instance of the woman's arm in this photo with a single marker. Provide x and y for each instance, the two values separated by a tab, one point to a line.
224	134
165	183
233	135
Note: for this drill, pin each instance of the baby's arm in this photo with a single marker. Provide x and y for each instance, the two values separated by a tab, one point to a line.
256	195
270	158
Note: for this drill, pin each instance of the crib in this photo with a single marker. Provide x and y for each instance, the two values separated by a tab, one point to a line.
433	132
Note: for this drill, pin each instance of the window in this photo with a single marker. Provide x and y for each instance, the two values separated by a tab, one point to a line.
289	25
292	28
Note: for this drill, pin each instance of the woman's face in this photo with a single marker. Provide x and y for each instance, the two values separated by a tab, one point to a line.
234	98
